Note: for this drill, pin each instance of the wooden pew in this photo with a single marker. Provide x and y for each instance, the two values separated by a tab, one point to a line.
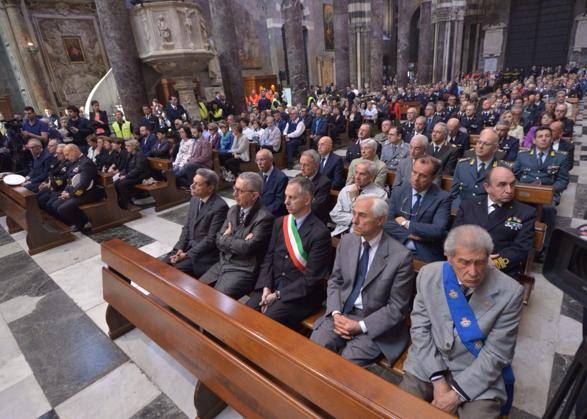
165	192
241	357
23	213
106	213
251	165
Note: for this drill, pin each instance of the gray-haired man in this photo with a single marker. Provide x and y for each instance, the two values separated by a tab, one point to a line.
464	327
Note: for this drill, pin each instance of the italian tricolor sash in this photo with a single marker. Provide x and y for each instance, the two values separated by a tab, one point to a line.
293	242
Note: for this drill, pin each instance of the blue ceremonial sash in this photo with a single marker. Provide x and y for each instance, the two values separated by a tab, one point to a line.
468	329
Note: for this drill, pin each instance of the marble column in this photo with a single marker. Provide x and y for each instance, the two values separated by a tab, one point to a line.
425	43
123	56
403	42
457	48
225	39
17	37
292	12
341	44
376	49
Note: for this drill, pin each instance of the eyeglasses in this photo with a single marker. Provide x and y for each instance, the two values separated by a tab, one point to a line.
238	191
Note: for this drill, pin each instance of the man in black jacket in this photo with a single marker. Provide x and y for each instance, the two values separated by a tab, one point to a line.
289	287
322	203
331	164
79	128
510	223
135	170
196	251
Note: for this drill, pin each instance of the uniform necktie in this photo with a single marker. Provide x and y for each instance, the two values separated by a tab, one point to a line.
482	167
416	205
360	276
541	157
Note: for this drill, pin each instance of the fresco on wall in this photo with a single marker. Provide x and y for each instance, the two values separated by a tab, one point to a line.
74	55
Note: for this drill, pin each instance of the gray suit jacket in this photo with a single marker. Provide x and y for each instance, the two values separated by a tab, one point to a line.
403	172
436	346
386	294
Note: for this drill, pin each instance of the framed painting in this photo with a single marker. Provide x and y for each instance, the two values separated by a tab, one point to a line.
74	49
328	15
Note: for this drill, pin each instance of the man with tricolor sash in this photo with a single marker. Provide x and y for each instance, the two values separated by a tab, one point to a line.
290	284
464	327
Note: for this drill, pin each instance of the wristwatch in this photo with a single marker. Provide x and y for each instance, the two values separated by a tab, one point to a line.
278	294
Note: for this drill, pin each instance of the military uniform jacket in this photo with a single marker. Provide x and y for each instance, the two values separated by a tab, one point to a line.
277	271
553	171
82	176
473	124
511	227
489	118
448	156
467	183
58	175
510	146
461	140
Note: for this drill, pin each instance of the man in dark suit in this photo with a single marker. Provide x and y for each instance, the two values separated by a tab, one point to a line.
274	183
173	110
99	119
319	128
509	223
510	146
457	137
290	287
331	164
134	172
39	165
242	240
431	119
369	291
407	127
561	144
149	119
440	149
322	203
195	251
147	141
419	212
353	151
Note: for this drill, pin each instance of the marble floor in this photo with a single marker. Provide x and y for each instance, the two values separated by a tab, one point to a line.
56	360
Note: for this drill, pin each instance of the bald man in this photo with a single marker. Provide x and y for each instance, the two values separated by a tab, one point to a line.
331	165
82	177
274	183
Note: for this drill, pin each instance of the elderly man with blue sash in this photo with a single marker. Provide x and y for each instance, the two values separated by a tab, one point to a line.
464	327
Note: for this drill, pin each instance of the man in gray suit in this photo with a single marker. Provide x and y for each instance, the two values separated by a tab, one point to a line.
196	249
441	368
403	174
369	291
242	240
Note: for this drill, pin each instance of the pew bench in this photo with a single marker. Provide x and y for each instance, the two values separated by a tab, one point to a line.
241	357
165	192
21	207
106	213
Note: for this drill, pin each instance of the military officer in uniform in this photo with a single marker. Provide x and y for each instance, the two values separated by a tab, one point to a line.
544	166
470	172
82	176
509	223
509	145
487	115
471	122
57	179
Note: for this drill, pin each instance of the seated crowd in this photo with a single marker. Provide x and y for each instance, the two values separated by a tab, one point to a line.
343	234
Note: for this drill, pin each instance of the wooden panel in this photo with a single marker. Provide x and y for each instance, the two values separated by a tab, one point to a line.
330	382
534	194
159	164
6	107
248	390
390	177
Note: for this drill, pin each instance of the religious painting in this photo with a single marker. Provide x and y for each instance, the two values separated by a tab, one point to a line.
328	10
74	49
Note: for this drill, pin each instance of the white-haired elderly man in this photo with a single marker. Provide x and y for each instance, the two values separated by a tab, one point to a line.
464	326
369	290
342	213
369	152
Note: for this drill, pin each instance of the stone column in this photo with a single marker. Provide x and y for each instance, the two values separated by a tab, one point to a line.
296	58
403	42
225	39
376	50
457	46
13	25
122	54
353	64
341	44
425	43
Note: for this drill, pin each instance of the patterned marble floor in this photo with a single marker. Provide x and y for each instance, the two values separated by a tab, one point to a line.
56	360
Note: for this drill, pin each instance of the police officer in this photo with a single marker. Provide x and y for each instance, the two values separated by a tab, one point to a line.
470	171
510	223
543	165
509	145
487	115
57	179
82	177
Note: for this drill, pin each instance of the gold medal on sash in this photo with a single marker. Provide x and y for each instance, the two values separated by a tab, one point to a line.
453	294
478	344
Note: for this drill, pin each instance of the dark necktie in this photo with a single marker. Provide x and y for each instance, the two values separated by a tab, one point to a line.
360	277
436	150
482	167
466	291
416	206
265	177
541	157
322	163
241	217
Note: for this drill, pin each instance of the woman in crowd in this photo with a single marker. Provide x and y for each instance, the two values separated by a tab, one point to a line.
337	124
214	138
226	139
516	131
355	121
545	120
135	171
106	156
186	149
239	152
